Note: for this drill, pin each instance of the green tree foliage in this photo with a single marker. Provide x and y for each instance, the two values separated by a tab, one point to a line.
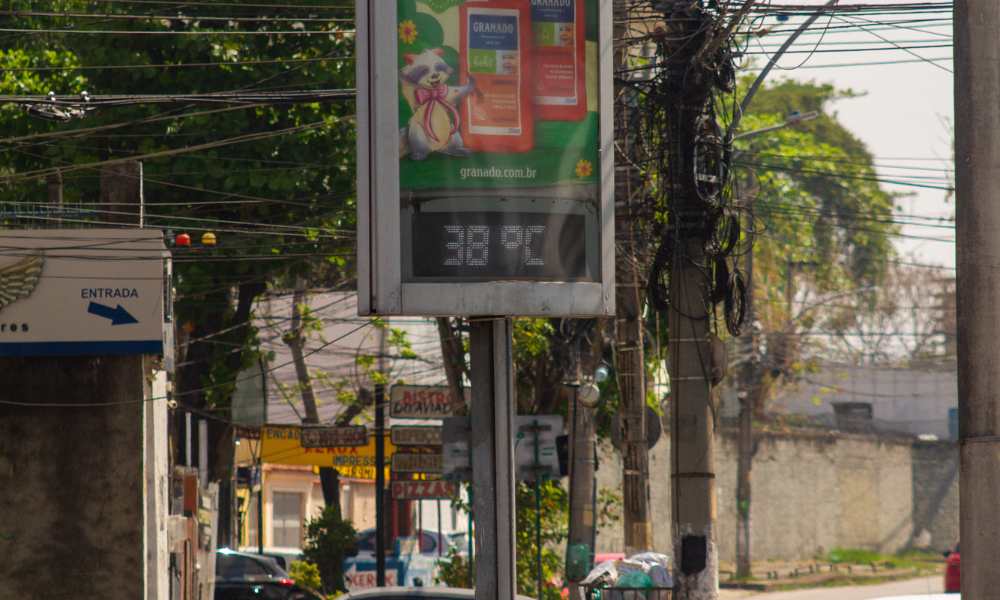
329	540
273	182
305	574
552	506
823	225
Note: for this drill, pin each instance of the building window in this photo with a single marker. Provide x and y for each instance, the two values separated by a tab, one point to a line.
286	520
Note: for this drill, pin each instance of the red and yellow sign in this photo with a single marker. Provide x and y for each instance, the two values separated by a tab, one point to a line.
283	445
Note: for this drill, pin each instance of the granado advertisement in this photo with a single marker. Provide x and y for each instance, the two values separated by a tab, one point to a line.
498	140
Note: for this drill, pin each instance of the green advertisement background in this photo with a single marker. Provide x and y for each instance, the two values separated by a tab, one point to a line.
560	147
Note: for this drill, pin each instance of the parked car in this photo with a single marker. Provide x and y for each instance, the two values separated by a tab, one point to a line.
952	571
415	593
281	555
245	576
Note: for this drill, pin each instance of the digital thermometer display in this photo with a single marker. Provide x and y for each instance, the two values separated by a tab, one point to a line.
486	246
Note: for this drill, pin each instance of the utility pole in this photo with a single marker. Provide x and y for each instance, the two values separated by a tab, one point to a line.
977	162
691	126
55	185
744	469
629	301
72	474
492	448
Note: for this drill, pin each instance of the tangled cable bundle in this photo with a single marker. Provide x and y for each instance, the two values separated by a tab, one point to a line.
677	68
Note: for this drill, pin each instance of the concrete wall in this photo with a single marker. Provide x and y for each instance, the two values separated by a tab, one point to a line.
71	478
609	475
935	494
816	491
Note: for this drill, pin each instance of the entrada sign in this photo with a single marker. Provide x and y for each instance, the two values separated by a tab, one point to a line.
83	292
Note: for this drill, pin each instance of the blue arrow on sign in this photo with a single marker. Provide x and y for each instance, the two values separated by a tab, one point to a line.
118	316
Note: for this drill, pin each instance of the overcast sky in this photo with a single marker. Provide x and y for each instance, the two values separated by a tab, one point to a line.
902	62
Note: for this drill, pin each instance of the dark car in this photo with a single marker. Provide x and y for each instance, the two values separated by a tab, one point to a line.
428	545
244	576
953	571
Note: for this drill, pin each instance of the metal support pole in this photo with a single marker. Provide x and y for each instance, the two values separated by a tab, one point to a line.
260	510
538	516
493	457
582	525
203	452
977	165
188	460
379	486
380	467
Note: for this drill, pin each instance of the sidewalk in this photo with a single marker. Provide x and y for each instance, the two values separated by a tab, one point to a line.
919	586
791	575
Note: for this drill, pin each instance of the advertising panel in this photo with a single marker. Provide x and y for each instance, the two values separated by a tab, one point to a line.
497	181
283	445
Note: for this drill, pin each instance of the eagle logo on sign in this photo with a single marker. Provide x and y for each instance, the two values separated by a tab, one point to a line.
18	279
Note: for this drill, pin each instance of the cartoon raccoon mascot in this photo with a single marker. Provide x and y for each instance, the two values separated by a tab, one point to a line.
434	125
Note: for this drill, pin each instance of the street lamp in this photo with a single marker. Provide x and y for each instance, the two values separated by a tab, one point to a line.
792	119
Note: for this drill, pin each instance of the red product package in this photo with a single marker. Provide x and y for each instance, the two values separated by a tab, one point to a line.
496	57
560	62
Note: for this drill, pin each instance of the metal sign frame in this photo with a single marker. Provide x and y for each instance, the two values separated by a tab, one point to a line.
381	290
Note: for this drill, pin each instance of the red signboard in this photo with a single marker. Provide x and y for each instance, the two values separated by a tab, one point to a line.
423	490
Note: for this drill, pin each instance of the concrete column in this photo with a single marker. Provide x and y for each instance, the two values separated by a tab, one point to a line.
977	179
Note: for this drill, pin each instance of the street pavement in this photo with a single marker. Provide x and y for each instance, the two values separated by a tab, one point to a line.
923	585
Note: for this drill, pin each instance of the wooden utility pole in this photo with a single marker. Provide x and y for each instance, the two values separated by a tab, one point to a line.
629	301
977	164
55	185
744	469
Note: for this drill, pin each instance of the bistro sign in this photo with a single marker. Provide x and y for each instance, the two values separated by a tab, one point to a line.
422	401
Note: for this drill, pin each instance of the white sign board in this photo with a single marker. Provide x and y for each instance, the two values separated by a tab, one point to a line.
416	436
422	401
535	452
82	292
416	463
528	431
333	437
